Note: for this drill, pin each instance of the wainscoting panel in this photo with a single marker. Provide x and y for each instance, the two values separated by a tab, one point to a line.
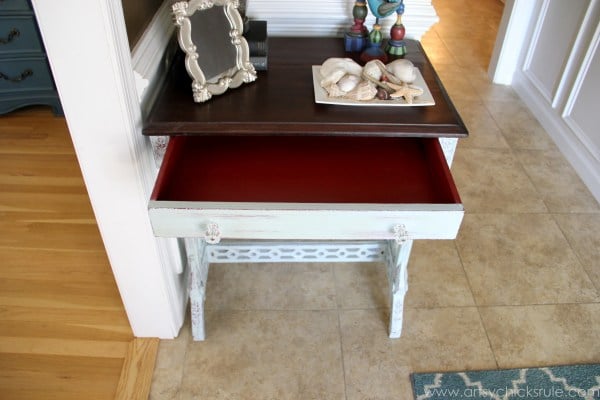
558	78
554	37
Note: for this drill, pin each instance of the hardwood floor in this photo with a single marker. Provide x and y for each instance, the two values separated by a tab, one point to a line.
64	333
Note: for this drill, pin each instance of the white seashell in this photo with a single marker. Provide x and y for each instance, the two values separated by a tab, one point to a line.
348	82
334	91
333	69
363	91
373	69
403	70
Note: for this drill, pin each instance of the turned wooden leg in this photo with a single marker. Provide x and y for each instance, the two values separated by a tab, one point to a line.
198	269
397	264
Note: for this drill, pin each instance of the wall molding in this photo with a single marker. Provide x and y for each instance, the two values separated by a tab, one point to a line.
510	40
582	43
567	115
333	18
580	157
533	42
147	56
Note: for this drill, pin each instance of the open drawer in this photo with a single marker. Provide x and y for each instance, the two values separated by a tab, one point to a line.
305	188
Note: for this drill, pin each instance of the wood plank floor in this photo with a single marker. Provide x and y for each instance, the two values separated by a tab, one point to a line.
63	331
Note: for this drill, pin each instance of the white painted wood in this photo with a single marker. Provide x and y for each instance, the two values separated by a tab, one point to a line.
334	17
198	264
449	148
394	254
297	251
570	119
577	55
323	222
549	52
575	152
582	108
397	267
89	54
511	39
148	54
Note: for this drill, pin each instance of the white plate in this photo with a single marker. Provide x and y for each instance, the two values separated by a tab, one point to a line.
321	96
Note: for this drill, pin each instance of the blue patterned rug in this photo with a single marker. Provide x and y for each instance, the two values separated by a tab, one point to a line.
556	383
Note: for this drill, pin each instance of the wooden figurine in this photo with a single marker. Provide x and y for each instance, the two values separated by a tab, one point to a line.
374	50
395	46
357	38
372	47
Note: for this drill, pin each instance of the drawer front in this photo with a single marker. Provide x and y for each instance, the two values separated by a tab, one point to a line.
315	223
25	74
14	5
18	34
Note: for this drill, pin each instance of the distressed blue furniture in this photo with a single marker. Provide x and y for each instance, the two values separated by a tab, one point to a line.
25	77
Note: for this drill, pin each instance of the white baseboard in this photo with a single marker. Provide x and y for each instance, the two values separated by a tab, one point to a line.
580	157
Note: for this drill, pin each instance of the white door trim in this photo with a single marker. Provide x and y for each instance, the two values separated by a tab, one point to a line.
88	50
515	23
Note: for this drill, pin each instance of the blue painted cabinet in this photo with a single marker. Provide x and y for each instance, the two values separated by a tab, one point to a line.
25	76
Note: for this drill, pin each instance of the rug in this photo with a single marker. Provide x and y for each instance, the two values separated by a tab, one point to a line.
556	383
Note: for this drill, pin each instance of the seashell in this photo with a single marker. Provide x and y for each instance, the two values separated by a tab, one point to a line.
363	91
333	69
334	91
348	82
373	70
403	70
382	94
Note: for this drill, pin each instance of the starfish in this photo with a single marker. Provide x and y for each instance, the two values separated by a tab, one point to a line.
406	91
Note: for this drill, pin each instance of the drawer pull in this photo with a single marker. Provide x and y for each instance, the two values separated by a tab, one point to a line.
14	32
400	233
212	235
16	79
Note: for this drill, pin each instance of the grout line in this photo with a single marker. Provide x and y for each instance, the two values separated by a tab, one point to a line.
338	310
189	342
566	237
477	306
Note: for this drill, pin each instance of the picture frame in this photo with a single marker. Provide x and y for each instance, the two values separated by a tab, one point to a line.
217	56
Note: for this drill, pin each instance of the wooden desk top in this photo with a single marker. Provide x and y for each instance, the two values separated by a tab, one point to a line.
281	101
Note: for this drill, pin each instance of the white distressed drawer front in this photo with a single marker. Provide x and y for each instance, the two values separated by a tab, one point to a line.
239	205
318	223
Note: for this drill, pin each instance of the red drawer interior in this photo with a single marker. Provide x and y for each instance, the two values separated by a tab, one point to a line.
298	169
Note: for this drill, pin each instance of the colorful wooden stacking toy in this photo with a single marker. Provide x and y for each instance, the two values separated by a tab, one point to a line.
395	46
358	38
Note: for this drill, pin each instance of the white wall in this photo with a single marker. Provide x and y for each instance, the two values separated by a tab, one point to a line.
548	50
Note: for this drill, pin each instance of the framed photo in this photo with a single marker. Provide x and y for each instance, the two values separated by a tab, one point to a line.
217	55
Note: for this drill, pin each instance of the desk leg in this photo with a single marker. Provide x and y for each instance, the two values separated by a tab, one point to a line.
198	267
449	148
397	263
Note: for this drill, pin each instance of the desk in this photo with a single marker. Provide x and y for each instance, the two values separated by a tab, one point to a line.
263	173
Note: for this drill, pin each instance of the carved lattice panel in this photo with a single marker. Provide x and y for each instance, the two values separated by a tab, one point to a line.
296	252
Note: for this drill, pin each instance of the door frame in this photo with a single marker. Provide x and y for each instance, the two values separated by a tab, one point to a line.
91	62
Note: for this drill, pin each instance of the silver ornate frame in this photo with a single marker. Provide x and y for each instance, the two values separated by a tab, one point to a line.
242	72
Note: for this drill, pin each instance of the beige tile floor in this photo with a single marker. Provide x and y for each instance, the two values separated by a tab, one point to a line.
519	287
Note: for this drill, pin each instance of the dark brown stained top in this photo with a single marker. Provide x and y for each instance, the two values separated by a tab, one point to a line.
281	101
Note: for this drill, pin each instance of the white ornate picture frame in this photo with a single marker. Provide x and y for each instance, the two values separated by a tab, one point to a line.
217	55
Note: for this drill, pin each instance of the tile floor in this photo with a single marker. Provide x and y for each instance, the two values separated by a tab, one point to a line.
519	287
